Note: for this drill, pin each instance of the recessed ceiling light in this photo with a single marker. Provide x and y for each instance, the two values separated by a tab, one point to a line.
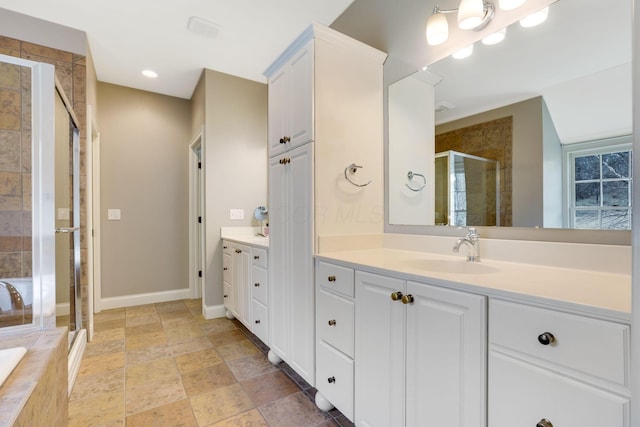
150	73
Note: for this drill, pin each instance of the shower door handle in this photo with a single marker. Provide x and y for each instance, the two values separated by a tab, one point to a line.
67	229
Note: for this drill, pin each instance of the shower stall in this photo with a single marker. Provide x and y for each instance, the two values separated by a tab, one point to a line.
40	200
467	190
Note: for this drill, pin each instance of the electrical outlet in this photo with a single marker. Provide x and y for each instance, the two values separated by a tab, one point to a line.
236	213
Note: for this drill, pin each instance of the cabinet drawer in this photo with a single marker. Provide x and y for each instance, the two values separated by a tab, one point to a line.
259	325
259	257
226	247
226	267
338	279
259	284
335	317
521	395
594	347
334	375
227	295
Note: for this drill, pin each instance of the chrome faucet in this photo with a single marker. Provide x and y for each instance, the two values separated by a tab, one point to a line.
472	240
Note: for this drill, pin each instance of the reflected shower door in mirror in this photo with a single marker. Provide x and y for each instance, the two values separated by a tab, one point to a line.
558	86
67	202
27	288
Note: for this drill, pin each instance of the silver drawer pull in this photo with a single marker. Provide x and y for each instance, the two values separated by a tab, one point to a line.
257	285
333	380
332	322
331	278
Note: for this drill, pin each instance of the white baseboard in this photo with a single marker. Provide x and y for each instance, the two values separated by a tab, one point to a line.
62	309
75	356
141	299
214	311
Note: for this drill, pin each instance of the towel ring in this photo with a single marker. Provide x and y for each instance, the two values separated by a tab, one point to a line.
410	176
351	169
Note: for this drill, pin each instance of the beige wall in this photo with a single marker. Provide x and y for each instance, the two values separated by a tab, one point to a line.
144	141
235	163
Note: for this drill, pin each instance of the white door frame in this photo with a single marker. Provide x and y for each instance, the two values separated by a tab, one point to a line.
93	218
196	210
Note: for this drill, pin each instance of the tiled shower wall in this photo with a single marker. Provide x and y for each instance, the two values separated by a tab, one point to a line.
15	154
491	140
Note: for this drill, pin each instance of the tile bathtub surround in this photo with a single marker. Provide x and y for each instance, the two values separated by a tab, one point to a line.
35	393
165	365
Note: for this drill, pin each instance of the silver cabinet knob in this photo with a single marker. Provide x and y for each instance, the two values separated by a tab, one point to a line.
332	322
332	380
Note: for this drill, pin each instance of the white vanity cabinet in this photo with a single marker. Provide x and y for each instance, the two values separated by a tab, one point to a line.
236	275
246	284
291	103
551	368
420	354
335	323
325	112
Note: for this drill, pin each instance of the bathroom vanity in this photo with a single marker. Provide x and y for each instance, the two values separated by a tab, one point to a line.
409	338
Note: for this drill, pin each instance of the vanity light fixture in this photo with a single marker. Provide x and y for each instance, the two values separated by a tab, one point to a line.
536	18
472	15
495	38
464	52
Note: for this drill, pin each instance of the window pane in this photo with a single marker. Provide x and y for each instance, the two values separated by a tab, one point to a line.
615	165
587	167
616	219
615	193
587	219
588	194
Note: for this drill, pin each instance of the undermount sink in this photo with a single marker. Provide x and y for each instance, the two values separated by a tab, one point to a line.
451	266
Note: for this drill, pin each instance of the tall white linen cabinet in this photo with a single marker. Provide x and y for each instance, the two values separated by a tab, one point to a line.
325	114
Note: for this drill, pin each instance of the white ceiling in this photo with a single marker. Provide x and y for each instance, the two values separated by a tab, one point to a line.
127	36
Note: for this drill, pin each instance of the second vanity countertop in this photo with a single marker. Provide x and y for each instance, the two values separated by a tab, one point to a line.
599	293
244	235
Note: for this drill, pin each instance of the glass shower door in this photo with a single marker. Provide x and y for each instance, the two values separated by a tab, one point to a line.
67	211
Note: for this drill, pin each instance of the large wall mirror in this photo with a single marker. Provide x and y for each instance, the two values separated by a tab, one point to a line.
529	138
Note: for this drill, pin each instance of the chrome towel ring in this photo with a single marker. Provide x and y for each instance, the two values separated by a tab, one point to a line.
410	176
350	170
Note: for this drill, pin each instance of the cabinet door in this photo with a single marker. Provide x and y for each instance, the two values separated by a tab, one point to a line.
241	264
521	394
279	117
291	295
301	106
380	344
279	296
446	357
300	260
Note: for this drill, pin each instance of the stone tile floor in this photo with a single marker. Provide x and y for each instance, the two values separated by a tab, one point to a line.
165	365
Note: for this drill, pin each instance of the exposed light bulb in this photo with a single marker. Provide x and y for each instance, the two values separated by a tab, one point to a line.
464	52
510	4
495	38
470	14
535	18
437	29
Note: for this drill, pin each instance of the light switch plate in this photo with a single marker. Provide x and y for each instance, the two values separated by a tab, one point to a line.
113	214
236	213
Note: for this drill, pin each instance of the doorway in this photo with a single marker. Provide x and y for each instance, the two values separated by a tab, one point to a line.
196	217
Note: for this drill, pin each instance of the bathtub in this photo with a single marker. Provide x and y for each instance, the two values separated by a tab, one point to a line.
16	301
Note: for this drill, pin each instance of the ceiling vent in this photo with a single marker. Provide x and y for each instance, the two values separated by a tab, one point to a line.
443	106
203	28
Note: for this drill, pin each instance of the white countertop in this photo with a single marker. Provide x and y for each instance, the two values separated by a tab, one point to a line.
599	293
244	235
